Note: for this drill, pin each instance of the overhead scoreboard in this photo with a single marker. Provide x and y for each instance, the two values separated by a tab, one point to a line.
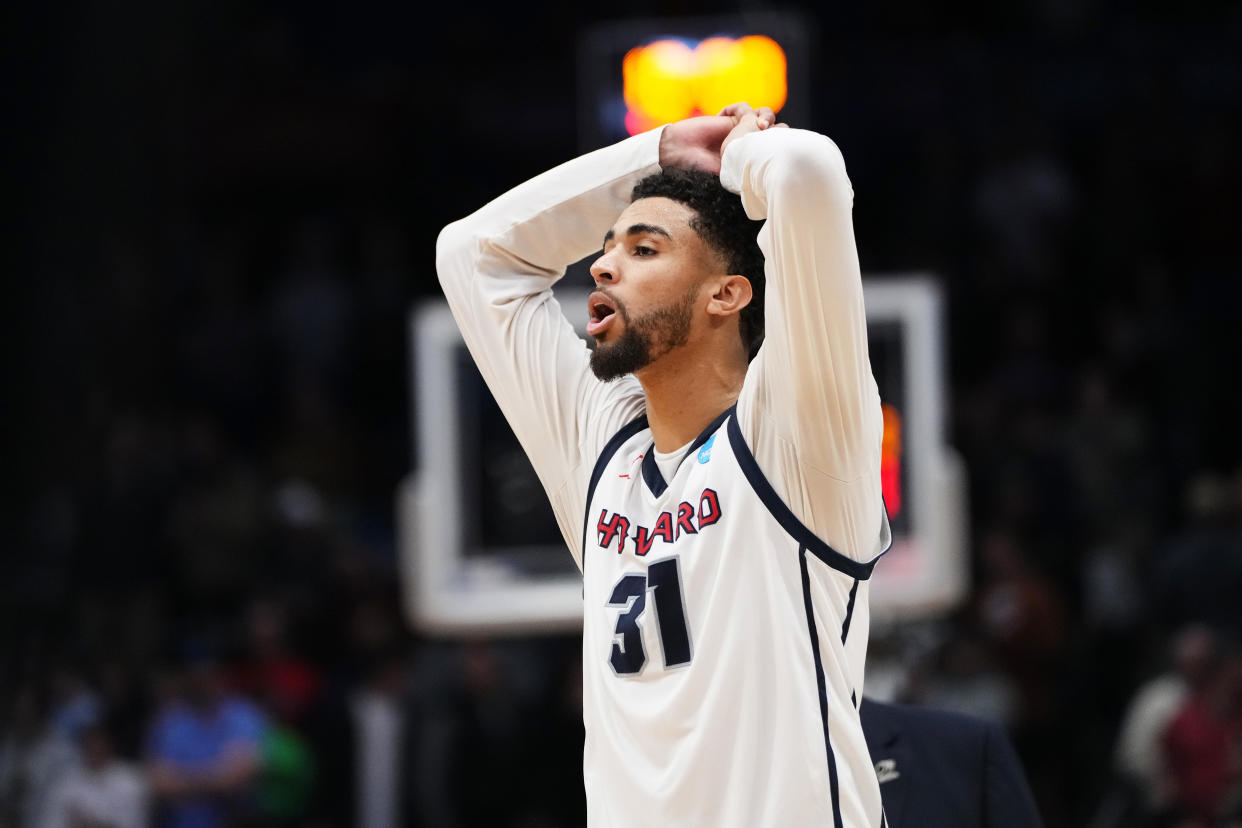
481	551
637	74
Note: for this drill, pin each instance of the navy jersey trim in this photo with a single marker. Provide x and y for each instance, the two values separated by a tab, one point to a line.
651	470
849	611
651	473
787	519
610	448
821	686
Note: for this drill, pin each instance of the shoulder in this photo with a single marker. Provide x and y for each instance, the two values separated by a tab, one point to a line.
974	745
616	434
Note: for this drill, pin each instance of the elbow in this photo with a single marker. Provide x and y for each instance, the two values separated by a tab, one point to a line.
455	248
813	166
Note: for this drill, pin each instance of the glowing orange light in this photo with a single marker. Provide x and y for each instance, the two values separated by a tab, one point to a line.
890	460
657	80
667	80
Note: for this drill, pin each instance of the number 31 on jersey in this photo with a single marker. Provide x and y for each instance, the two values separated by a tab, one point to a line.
663	580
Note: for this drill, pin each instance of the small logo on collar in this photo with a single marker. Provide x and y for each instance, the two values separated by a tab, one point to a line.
705	453
637	459
886	770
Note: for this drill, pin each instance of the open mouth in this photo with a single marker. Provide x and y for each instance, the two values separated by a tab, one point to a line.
602	312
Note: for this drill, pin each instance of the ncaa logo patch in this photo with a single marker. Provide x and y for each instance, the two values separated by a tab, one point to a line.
705	453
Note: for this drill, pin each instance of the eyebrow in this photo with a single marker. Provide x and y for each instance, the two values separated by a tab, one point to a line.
639	229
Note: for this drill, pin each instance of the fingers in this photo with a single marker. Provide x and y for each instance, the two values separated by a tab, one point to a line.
764	115
747	124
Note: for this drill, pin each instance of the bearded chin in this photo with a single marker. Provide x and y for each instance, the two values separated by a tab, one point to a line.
645	339
631	352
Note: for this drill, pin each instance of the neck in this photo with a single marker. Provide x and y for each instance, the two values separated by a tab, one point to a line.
686	391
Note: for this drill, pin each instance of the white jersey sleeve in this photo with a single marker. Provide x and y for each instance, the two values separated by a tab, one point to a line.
497	267
810	408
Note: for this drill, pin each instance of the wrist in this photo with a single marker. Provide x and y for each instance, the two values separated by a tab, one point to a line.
668	146
692	144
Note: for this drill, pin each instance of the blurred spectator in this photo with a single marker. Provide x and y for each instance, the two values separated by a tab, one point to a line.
1203	744
103	793
288	688
1021	612
74	703
1139	752
366	735
205	752
288	772
270	671
381	767
33	756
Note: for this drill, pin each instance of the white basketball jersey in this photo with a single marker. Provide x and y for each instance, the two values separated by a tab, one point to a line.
723	648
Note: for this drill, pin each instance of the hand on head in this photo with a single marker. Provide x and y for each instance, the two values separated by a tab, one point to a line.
700	142
746	120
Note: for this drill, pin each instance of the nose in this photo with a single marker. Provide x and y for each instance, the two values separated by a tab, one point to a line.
602	270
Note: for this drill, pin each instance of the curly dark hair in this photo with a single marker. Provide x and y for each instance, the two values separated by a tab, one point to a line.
720	221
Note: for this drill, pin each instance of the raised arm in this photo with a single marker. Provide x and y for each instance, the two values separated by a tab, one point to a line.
810	408
497	268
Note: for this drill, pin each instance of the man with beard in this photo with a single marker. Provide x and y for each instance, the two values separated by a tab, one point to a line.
718	488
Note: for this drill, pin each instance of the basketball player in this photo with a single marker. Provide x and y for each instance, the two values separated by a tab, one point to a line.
721	498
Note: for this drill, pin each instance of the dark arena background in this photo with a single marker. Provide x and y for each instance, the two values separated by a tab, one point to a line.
222	213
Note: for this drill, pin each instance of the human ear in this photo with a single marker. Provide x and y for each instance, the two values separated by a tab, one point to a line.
729	295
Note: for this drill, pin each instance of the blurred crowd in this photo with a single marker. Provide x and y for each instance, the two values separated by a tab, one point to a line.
480	733
202	620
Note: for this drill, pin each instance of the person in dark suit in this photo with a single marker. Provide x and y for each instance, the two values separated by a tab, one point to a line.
938	768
